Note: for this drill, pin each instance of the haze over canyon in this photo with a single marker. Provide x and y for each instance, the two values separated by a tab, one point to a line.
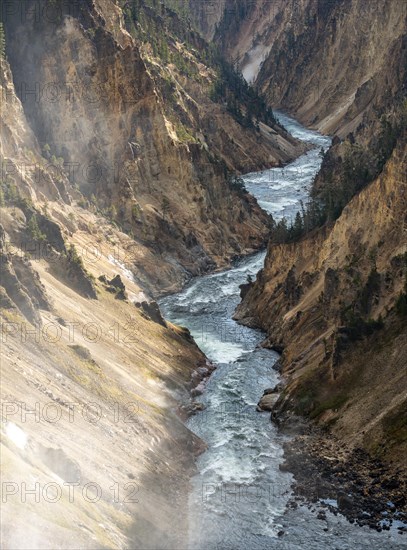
203	257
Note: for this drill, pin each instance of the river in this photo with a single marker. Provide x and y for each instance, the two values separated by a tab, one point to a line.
239	496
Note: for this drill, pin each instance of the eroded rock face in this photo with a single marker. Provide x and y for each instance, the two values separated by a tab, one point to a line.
345	84
16	292
152	312
100	193
325	62
62	348
323	298
207	15
99	110
344	334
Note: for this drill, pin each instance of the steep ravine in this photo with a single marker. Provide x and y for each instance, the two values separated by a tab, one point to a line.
334	300
316	298
240	493
100	113
329	63
97	370
85	238
108	195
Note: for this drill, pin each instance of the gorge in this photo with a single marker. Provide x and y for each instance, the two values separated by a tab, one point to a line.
241	495
174	245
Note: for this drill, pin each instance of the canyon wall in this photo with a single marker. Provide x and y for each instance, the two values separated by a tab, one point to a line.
109	193
332	296
207	15
114	186
327	62
334	299
154	160
91	375
324	62
334	304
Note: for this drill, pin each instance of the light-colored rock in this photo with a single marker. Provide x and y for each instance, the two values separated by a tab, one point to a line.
267	402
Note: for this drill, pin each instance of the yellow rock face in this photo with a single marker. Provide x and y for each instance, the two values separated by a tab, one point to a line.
303	298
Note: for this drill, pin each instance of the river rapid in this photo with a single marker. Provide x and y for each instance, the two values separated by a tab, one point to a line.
239	496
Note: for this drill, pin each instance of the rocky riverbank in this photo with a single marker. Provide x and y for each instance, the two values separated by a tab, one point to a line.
330	476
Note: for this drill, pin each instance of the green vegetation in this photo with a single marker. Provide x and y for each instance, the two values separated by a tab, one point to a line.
237	184
34	231
359	166
72	269
46	151
161	25
83	203
183	135
165	207
11	196
355	327
344	177
10	192
2	42
168	89
305	220
371	288
231	88
158	24
136	212
181	7
73	257
111	212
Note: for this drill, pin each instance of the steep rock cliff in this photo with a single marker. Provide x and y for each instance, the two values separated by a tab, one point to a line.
334	302
329	70
334	299
207	15
105	452
325	62
102	200
95	101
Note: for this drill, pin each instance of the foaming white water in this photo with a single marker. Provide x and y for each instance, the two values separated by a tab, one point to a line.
239	495
280	190
240	492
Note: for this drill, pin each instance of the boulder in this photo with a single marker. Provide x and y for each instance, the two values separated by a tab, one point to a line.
198	390
202	371
267	402
152	310
345	502
117	282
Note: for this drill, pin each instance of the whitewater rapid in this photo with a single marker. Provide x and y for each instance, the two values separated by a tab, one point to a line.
238	498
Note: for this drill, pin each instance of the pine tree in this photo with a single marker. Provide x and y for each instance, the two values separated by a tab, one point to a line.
298	227
280	234
2	42
165	206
